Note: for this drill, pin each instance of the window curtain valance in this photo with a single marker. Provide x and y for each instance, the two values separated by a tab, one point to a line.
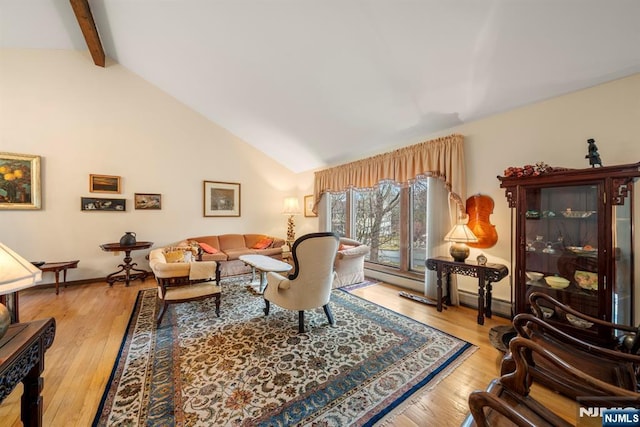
442	158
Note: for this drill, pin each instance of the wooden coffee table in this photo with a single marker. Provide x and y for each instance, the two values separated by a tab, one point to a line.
264	264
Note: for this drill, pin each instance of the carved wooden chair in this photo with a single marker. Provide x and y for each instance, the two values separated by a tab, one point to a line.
614	336
507	400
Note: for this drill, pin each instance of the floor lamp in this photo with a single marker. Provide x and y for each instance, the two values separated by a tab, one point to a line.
291	208
16	273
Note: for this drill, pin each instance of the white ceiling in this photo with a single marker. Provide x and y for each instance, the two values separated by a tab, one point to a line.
320	82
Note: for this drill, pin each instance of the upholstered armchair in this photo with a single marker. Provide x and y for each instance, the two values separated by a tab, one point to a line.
349	263
309	285
183	281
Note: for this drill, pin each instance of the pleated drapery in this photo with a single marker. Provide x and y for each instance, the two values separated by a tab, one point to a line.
442	158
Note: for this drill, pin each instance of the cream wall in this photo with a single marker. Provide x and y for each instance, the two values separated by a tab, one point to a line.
555	132
83	119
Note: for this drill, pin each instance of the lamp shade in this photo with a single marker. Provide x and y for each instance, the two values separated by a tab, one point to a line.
16	273
461	233
291	206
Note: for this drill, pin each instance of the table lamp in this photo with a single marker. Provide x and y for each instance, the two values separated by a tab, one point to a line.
291	208
16	273
459	236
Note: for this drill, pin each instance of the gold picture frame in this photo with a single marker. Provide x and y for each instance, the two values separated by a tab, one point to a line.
104	184
147	201
221	198
20	181
309	201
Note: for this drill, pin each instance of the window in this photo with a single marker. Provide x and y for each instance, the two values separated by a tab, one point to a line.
389	218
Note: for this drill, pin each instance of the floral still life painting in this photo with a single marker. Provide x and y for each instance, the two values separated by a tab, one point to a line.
19	181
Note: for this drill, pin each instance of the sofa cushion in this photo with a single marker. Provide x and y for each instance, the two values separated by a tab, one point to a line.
231	241
236	253
272	252
219	256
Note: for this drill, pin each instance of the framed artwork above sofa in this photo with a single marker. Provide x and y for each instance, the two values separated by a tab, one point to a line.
221	198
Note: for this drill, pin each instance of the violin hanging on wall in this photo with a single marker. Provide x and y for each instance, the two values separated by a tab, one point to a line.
479	208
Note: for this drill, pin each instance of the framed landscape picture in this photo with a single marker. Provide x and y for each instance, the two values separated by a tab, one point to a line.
100	204
147	201
104	184
308	206
20	181
221	198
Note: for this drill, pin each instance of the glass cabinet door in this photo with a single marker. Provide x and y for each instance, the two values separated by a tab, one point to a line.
562	245
622	304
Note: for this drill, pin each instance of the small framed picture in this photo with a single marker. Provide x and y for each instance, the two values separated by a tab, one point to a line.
104	184
308	206
20	181
221	198
147	201
99	204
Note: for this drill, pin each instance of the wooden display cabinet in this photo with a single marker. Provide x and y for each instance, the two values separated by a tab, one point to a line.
575	224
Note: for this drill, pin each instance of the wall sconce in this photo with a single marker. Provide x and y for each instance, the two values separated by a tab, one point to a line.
459	236
291	208
16	274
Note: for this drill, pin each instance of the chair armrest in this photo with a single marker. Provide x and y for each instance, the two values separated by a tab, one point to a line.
358	251
349	242
174	269
277	280
536	296
525	322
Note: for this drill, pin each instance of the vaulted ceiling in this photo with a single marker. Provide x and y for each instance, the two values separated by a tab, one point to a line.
320	82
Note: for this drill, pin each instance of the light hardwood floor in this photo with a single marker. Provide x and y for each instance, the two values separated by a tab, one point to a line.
91	319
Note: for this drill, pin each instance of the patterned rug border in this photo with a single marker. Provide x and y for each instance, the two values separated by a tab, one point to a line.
385	416
135	310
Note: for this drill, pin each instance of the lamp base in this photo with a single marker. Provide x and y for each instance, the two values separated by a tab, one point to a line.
459	251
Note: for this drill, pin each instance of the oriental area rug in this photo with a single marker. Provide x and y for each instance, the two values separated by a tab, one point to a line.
248	369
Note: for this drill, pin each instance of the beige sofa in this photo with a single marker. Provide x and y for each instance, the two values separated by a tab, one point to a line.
229	247
349	262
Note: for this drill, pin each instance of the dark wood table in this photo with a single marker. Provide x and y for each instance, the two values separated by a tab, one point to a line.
57	267
22	351
128	276
486	274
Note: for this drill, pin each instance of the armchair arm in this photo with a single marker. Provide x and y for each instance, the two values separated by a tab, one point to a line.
166	270
358	251
349	242
478	400
277	280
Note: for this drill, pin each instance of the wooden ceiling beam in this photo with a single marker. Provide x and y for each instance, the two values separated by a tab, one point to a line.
89	30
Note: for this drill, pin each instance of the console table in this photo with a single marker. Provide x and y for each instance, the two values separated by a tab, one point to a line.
486	274
127	277
22	351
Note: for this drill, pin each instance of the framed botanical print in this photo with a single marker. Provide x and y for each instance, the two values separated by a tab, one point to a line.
104	184
221	198
20	181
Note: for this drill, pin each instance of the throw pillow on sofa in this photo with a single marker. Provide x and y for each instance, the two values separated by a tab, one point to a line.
208	248
174	256
263	243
